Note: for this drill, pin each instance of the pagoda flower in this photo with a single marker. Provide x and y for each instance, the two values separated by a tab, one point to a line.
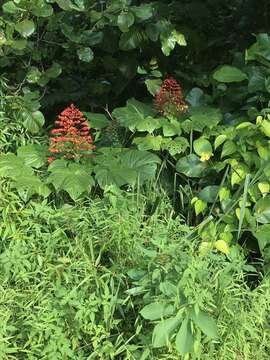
71	136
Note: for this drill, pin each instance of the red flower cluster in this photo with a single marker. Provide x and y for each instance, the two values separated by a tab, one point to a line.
71	136
170	99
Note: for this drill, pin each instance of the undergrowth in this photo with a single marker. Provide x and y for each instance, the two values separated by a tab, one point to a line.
74	281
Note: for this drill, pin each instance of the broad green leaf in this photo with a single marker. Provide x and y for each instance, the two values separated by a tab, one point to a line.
264	187
133	113
184	339
176	146
25	28
204	117
97	121
202	146
148	124
42	10
228	148
220	140
206	323
265	127
149	142
10	7
169	40
143	162
163	331
13	166
239	173
222	246
33	155
33	121
191	166
205	248
153	85
168	289
74	179
142	12
199	206
195	97
171	128
85	54
19	44
125	20
209	193
156	311
131	40
54	71
224	194
262	234
262	210
228	74
33	75
64	4
23	176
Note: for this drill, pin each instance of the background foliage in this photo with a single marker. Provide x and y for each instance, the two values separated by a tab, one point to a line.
90	248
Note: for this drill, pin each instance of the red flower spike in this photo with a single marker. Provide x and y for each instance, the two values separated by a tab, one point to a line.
71	136
169	99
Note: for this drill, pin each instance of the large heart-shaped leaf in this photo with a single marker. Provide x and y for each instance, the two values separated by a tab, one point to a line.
33	155
74	179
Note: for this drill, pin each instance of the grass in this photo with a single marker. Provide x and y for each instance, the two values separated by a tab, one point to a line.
68	276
